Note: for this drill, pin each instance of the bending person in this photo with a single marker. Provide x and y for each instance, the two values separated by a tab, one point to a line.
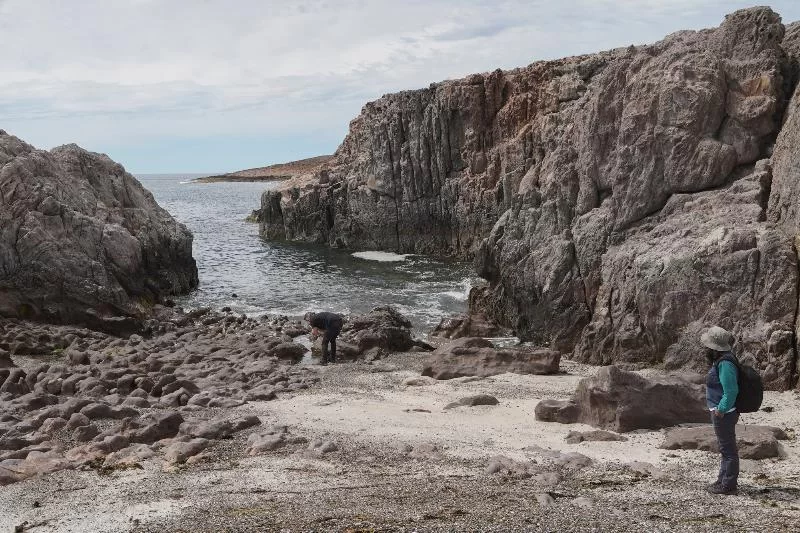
331	324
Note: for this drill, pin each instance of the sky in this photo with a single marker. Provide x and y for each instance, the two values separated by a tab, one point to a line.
196	86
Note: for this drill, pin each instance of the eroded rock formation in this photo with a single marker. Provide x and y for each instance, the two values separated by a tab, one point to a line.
82	241
617	203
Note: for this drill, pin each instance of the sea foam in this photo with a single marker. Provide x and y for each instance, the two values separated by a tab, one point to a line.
383	257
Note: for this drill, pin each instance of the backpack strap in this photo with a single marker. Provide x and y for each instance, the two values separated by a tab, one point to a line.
727	356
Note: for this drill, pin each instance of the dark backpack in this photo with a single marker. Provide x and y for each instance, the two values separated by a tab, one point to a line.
751	388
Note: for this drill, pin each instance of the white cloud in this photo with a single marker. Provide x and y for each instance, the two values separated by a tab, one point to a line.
105	72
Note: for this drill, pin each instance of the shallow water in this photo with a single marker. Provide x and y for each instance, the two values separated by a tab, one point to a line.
290	278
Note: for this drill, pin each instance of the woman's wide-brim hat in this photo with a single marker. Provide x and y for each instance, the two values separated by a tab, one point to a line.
718	339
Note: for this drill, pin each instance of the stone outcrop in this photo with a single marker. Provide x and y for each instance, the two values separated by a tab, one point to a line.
81	241
474	356
621	401
617	203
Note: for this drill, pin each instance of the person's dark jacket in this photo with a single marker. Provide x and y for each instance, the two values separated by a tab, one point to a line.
330	322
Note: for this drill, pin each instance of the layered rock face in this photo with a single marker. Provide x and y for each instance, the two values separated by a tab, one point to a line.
617	203
81	240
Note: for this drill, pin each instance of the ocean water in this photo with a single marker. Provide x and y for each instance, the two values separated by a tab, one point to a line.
241	270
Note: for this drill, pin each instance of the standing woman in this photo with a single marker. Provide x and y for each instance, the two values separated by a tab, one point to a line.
722	388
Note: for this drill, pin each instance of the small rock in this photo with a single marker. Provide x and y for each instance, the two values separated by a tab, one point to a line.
545	500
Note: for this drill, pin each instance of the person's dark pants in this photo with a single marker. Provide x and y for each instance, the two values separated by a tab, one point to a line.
329	337
725	428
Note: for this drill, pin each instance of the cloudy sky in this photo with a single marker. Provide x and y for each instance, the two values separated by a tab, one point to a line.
217	85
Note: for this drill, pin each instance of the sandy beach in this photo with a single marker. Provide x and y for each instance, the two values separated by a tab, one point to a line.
401	462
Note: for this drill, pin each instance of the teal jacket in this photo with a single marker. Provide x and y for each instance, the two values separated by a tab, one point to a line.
722	387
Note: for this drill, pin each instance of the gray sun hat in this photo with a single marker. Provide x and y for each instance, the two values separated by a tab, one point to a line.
718	339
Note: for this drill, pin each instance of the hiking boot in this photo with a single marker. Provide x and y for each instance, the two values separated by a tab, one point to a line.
323	363
714	485
719	489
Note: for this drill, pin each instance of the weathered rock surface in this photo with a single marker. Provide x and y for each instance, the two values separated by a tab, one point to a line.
184	365
753	442
621	401
469	325
81	241
617	203
473	356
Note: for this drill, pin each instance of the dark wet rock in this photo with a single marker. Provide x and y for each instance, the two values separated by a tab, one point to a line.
116	248
470	356
576	437
753	442
471	401
469	325
5	361
383	327
289	350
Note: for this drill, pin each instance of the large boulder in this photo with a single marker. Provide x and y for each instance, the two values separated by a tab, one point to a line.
469	325
615	202
383	327
753	442
621	401
473	356
82	241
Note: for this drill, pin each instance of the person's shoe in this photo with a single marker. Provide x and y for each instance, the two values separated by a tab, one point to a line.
323	363
719	489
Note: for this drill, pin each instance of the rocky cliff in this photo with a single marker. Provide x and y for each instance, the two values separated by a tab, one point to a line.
617	203
81	241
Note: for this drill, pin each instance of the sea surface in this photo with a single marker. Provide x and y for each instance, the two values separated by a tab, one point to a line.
250	275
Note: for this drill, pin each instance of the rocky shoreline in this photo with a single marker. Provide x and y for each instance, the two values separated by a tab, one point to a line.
366	445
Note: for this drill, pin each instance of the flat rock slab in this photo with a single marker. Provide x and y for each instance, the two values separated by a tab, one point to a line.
475	356
472	401
754	442
598	435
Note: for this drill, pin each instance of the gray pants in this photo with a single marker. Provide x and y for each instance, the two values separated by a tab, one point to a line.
725	428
